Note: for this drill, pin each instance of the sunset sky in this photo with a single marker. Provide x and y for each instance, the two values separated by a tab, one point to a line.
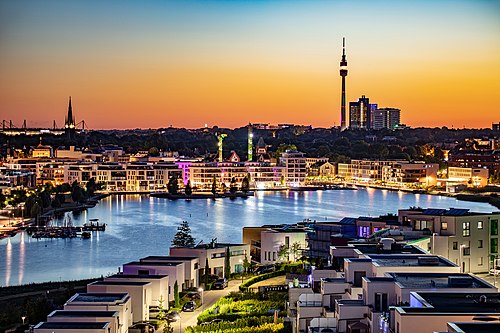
150	64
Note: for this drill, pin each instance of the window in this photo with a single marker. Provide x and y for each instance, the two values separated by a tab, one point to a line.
494	227
466	229
274	256
480	244
444	225
455	245
480	224
480	261
494	245
466	251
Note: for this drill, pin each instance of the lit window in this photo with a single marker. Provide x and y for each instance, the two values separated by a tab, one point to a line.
480	224
466	229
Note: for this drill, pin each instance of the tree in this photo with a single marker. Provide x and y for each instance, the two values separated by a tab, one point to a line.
161	311
91	187
232	187
283	252
55	203
173	185
188	190
45	199
295	250
246	264
154	152
2	200
77	193
35	211
177	302
214	186
227	263
245	185
207	273
183	236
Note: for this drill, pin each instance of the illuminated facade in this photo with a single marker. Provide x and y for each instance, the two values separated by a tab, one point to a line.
386	118
360	113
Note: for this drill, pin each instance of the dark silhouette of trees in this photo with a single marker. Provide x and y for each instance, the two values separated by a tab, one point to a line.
173	184
188	190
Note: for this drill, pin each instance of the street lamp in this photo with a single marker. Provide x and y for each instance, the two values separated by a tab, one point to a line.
201	291
23	318
241	263
178	317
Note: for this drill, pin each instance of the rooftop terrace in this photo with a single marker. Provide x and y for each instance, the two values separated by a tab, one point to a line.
70	313
466	302
98	297
438	280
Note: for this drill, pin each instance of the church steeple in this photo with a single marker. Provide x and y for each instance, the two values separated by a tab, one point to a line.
69	122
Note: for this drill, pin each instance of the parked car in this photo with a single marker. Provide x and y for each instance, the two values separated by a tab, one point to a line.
220	284
264	269
145	327
173	316
189	306
495	271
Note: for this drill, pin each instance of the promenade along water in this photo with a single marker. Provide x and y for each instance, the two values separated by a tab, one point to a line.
138	225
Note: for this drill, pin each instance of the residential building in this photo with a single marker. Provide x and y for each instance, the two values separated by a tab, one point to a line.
294	168
385	118
191	266
468	239
431	311
159	285
174	270
473	177
292	238
360	113
140	293
72	327
409	174
120	303
66	316
214	253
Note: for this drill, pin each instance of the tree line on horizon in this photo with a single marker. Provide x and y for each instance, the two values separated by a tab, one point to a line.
409	144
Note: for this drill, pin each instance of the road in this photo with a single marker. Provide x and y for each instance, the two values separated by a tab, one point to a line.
209	298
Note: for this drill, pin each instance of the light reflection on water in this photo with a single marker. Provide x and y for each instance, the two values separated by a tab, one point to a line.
138	226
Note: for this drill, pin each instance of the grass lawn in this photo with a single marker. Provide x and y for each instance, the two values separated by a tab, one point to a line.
278	280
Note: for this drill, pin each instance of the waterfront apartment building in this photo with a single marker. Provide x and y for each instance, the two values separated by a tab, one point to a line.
294	168
472	177
385	118
79	172
370	170
405	173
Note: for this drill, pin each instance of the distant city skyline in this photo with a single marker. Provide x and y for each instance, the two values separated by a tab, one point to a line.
154	64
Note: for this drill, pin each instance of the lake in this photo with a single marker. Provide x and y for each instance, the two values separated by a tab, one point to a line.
138	226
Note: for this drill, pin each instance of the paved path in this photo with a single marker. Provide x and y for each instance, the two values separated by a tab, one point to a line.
209	298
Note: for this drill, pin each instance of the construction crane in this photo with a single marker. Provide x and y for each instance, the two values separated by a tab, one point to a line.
220	137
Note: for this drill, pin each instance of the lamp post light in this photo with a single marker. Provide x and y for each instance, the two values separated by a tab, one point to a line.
178	317
23	318
241	263
202	302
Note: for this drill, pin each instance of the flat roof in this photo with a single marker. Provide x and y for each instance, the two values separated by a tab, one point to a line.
98	297
140	276
396	248
167	258
464	302
437	280
486	327
153	263
77	313
120	283
73	325
407	260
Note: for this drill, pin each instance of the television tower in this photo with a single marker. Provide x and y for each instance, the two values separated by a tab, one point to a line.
343	74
